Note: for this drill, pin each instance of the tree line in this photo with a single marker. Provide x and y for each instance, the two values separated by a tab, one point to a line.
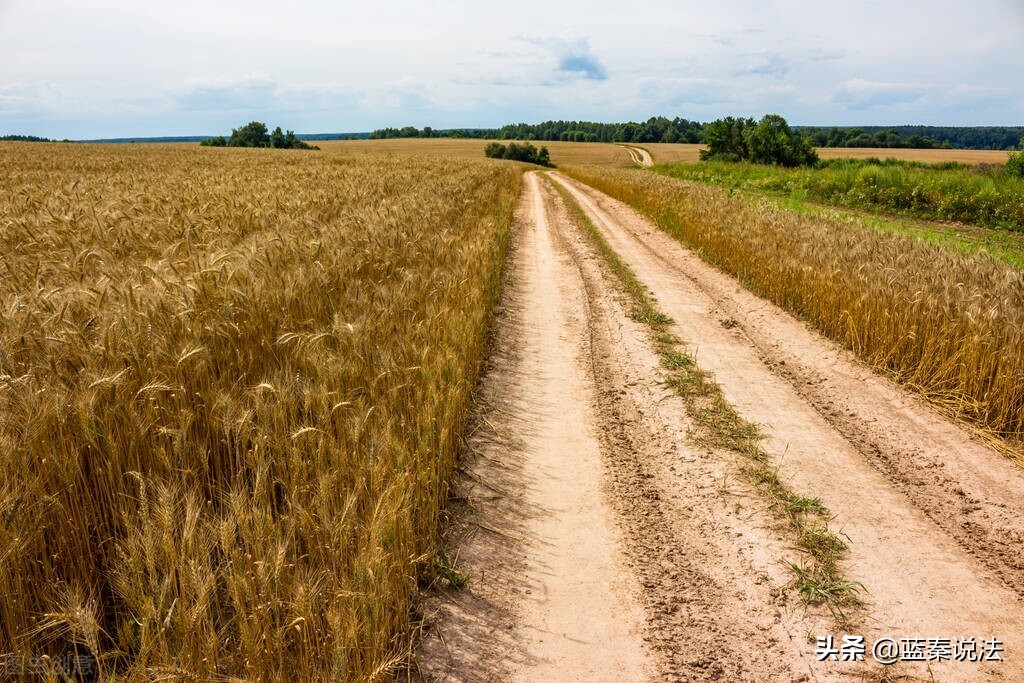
23	138
662	129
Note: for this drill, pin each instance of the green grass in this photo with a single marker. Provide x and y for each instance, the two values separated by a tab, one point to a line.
817	579
1004	245
975	195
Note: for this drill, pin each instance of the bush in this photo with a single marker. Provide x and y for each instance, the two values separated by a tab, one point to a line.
1015	162
518	152
495	150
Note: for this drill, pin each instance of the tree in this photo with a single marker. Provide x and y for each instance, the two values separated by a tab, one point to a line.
219	141
277	138
252	134
772	141
726	140
769	141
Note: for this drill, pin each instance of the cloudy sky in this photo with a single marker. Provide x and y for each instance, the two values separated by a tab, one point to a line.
105	68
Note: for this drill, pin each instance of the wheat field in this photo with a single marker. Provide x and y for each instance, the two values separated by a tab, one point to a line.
599	153
945	323
232	383
665	153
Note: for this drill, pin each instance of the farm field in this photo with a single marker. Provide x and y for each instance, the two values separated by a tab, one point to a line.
394	410
974	195
928	156
561	152
232	386
665	153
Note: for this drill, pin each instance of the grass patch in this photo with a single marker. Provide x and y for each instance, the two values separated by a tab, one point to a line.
976	195
817	579
447	571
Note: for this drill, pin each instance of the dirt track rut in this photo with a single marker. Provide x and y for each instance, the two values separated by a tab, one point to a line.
603	543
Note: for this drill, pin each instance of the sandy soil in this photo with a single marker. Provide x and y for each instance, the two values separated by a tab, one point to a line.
640	156
933	515
604	544
555	576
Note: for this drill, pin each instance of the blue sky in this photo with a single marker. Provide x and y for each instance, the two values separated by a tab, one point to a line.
111	69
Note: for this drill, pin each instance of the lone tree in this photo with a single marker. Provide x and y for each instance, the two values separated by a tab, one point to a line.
769	141
772	141
256	134
252	134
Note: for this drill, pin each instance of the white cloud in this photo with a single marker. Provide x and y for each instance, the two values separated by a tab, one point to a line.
862	94
109	68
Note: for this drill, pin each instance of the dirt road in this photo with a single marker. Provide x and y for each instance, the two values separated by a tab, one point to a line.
640	156
604	543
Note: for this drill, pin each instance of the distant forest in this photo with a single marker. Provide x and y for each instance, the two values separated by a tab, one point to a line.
23	138
661	129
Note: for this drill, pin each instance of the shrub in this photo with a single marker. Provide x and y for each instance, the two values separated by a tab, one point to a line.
518	152
495	150
1015	162
256	134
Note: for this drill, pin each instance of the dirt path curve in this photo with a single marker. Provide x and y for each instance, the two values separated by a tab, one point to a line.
602	544
933	516
640	156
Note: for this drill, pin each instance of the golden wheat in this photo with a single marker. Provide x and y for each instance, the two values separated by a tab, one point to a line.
600	153
232	383
946	324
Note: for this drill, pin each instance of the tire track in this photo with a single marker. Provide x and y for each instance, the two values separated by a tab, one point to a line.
700	551
926	578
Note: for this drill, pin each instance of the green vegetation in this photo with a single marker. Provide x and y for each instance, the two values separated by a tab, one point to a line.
978	195
23	138
655	129
717	424
1015	162
516	152
944	324
256	134
768	141
1004	245
858	137
662	129
955	137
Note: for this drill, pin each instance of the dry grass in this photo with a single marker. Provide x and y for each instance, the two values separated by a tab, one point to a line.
931	156
232	383
671	153
665	153
601	154
946	324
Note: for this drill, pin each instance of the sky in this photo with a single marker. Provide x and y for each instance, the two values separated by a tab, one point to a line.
99	68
